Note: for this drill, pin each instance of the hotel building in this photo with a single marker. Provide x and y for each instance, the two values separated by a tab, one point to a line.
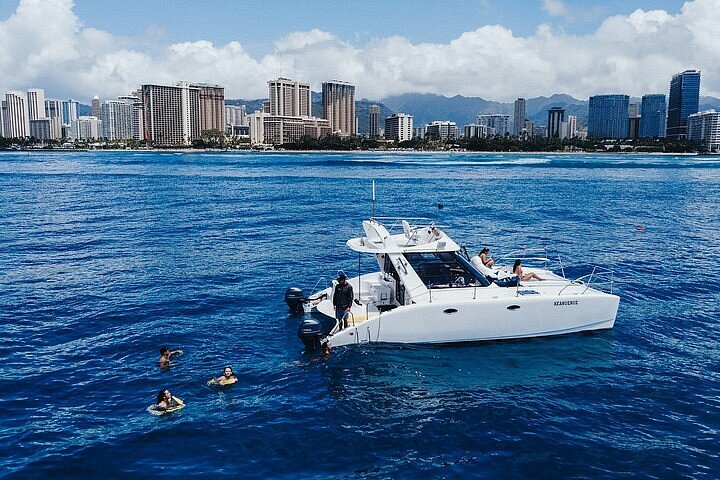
119	120
683	101
36	103
399	127
500	122
374	121
608	116
212	107
653	116
556	118
16	118
172	114
85	128
289	98
441	130
339	106
704	130
69	111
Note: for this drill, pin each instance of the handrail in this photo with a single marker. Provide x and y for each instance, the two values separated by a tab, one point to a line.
592	280
395	222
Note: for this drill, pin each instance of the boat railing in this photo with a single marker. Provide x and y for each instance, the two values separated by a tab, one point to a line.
599	279
395	223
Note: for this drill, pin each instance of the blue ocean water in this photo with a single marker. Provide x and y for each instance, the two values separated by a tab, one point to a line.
106	256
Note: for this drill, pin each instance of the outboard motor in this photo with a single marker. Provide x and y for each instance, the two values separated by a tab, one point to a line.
295	300
311	333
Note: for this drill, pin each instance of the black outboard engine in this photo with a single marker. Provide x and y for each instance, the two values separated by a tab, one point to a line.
295	300
311	333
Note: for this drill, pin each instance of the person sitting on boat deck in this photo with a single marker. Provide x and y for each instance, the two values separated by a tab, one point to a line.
165	355
227	376
517	270
342	300
165	400
487	261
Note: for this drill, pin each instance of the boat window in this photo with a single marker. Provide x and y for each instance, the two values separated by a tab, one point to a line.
445	270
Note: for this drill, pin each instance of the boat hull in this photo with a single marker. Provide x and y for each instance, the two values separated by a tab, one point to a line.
482	320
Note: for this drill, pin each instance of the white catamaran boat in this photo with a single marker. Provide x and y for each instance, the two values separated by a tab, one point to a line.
427	291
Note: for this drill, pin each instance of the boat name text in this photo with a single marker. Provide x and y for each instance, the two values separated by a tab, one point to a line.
563	303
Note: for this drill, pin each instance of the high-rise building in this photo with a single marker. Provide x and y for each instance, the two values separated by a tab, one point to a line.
704	130
53	109
478	131
69	111
256	122
16	115
399	127
683	101
172	114
212	107
633	120
339	106
118	120
556	117
440	130
519	118
317	127
36	104
95	104
41	129
500	122
571	126
653	114
608	116
85	128
374	123
235	115
138	116
289	98
529	128
279	129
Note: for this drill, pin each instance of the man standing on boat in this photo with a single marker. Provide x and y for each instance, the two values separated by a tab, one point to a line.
342	300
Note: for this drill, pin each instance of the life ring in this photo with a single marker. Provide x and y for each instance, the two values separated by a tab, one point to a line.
223	382
155	410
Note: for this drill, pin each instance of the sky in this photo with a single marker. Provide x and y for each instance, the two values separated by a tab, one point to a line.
495	49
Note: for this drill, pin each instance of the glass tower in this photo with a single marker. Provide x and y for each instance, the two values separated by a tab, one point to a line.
608	116
683	102
653	112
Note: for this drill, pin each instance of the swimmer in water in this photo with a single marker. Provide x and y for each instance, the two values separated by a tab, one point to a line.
165	400
228	376
165	354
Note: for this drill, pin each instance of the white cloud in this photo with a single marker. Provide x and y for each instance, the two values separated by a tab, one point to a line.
632	54
555	8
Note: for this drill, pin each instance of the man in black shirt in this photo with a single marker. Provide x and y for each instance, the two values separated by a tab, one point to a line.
342	300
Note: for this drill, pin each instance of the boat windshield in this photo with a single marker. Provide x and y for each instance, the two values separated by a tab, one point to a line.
445	270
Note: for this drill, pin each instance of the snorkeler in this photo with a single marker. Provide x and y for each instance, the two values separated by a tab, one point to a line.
228	377
165	354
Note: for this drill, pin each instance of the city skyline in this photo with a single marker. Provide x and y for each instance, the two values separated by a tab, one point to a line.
579	49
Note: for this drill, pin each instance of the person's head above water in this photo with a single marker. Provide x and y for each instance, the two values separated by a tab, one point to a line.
228	371
164	351
163	395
